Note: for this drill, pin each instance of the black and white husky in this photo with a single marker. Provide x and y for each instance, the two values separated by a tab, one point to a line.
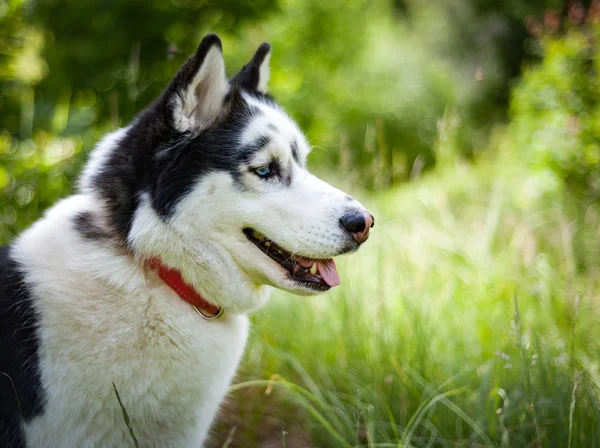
182	223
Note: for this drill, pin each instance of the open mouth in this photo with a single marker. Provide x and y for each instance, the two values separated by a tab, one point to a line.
320	275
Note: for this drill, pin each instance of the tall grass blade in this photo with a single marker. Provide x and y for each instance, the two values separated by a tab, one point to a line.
126	417
14	388
572	405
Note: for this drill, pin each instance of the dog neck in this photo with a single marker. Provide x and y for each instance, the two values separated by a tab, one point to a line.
206	267
172	277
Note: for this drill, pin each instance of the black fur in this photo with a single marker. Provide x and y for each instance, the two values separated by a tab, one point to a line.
135	168
249	75
87	228
216	149
18	353
262	142
295	154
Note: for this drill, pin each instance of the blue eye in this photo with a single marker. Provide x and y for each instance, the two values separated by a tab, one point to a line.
263	171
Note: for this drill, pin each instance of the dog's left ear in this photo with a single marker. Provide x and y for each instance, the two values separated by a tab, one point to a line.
195	96
255	74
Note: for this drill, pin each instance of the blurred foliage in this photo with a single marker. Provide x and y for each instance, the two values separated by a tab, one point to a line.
556	107
375	84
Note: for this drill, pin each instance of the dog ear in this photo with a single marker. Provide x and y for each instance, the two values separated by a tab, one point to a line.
255	74
196	93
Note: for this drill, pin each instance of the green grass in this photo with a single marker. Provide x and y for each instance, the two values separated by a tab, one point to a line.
470	318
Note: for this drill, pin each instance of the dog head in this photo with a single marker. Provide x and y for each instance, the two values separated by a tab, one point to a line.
212	179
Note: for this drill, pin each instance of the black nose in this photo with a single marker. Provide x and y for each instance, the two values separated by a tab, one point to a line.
358	224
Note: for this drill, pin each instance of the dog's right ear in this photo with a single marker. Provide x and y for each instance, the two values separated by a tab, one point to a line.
196	93
255	74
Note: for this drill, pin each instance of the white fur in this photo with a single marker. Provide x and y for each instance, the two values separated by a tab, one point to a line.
287	130
263	73
104	318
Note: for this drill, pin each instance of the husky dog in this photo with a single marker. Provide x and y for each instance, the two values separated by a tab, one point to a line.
142	280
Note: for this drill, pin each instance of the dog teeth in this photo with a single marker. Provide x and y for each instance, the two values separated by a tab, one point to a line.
258	236
313	269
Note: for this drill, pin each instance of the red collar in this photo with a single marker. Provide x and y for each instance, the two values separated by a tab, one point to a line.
173	278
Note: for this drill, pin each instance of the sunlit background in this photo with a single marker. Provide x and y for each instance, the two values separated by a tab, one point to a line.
471	130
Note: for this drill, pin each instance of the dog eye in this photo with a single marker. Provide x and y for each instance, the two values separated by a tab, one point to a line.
263	171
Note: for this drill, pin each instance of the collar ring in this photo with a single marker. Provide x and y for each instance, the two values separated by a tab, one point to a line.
206	315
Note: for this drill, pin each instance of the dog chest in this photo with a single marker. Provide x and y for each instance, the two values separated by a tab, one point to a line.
171	368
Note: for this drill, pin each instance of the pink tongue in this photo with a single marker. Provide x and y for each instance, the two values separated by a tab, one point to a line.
328	272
